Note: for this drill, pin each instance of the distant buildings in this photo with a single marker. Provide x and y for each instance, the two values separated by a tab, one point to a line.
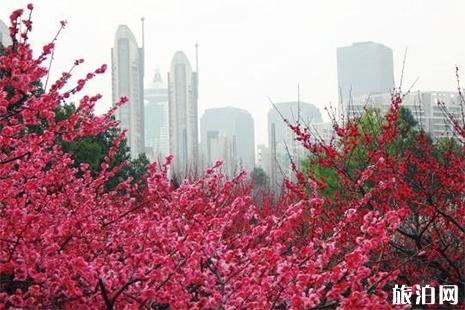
281	139
364	68
166	122
366	79
128	80
156	119
5	38
183	116
228	134
422	105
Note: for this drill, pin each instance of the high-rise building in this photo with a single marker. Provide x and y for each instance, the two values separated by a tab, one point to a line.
128	81
364	68
183	116
228	134
156	119
423	105
5	38
281	139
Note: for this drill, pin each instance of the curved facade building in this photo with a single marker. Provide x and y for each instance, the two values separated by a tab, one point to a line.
183	116
128	80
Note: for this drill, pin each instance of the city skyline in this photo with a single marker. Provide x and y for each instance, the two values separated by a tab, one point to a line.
298	38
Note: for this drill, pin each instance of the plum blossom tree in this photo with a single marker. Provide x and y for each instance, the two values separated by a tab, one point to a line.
68	241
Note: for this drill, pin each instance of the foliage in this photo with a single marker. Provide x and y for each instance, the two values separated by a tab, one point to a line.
93	149
369	129
67	241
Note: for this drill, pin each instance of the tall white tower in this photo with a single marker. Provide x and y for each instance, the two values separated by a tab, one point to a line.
128	80
183	116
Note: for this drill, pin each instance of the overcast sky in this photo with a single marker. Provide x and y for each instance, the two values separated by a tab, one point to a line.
253	49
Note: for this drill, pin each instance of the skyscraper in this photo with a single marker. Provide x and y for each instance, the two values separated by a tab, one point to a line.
5	38
183	116
364	68
228	134
156	119
128	81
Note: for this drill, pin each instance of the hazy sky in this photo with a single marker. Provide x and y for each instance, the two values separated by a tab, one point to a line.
251	49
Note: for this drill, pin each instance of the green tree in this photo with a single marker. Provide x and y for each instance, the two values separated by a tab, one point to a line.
92	150
369	127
